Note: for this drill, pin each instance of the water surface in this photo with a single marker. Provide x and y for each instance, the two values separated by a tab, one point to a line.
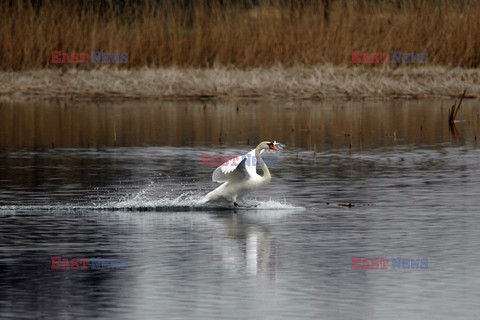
122	181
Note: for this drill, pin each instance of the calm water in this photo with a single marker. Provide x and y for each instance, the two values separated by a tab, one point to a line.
122	181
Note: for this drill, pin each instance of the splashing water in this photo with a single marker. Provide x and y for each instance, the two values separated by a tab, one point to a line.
189	201
147	200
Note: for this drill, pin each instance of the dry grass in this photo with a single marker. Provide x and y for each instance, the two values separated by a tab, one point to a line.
209	34
318	82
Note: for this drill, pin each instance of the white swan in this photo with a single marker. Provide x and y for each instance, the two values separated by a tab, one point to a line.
239	175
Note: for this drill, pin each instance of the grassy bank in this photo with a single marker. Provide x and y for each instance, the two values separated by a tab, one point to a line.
320	82
243	34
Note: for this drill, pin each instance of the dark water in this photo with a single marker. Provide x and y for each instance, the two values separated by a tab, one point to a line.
413	183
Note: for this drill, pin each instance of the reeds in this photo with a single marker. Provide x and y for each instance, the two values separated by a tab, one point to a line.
237	33
455	108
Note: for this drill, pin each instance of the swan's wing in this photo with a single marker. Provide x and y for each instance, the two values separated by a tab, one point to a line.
251	162
241	167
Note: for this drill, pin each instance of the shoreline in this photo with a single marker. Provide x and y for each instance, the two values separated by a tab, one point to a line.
325	82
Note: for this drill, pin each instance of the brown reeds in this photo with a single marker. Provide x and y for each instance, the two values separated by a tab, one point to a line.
237	33
453	115
455	108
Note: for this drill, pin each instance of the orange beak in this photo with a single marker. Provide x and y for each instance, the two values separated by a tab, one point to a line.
272	146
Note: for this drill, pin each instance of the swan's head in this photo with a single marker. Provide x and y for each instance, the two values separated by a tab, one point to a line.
267	145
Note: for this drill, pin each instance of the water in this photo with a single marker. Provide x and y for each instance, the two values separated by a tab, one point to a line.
412	181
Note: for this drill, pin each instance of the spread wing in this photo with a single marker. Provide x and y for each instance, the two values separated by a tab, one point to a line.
241	167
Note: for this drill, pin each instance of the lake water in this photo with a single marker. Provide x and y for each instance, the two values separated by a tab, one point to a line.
121	181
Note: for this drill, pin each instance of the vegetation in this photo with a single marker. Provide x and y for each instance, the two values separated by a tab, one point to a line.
239	34
300	83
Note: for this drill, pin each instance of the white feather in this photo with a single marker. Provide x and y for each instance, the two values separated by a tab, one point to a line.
239	175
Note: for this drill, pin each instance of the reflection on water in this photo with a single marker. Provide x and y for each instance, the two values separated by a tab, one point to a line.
414	190
311	125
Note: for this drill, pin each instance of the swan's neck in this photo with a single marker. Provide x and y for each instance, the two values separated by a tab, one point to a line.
266	172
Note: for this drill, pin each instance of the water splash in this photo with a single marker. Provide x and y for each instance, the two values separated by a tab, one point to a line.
145	200
189	201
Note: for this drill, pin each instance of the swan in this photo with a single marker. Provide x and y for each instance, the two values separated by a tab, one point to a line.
239	175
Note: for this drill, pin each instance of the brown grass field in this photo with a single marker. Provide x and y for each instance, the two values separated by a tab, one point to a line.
271	33
300	83
300	49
